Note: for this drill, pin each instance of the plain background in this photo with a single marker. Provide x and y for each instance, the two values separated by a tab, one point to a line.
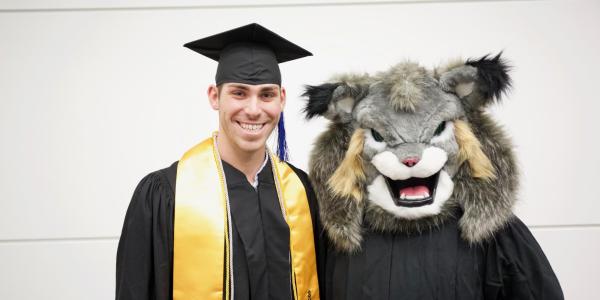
96	94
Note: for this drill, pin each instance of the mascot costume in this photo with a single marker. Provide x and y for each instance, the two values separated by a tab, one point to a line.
416	185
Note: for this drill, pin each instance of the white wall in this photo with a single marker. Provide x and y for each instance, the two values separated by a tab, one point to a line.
96	94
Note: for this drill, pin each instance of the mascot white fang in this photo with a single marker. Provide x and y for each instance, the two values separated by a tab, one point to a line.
416	185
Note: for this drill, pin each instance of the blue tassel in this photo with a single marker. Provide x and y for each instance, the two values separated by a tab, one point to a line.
282	149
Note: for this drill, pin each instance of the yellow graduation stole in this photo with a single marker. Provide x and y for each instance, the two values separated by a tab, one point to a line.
202	256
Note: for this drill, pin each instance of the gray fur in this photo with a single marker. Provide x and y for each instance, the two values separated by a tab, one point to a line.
341	217
403	84
353	88
487	205
405	105
463	75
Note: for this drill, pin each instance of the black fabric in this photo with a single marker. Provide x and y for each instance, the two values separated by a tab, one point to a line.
438	264
264	235
248	63
248	54
145	251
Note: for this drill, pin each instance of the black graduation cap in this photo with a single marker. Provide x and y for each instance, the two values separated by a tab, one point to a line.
249	54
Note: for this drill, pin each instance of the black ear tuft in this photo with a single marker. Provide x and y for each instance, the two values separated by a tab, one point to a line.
492	76
319	97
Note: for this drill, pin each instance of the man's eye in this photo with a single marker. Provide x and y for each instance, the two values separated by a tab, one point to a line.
440	129
238	93
269	95
376	135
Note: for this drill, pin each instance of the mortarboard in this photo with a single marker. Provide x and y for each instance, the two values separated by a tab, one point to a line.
249	54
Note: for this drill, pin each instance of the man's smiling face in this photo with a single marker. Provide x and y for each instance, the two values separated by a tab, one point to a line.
247	113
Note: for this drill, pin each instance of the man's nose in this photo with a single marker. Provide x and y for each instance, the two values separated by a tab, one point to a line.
253	106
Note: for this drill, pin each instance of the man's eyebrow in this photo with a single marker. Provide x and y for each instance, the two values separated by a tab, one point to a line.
238	86
269	89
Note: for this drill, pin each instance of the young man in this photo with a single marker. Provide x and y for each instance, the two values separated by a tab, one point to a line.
229	220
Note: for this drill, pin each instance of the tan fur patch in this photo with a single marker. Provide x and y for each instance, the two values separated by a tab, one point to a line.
470	151
345	181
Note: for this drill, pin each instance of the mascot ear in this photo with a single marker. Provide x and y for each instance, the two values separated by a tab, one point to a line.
334	101
477	82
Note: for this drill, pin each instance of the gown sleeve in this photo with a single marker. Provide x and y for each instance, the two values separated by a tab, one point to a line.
318	232
145	251
516	267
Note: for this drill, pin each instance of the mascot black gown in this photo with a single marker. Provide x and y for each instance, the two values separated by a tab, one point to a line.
416	185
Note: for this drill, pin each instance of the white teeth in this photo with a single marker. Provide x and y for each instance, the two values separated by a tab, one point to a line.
251	127
414	197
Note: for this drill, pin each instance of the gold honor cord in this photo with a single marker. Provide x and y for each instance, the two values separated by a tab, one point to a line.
202	251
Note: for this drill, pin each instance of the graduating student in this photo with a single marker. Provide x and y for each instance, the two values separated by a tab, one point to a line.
229	220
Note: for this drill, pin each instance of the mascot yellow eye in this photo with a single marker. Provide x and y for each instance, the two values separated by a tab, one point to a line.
376	135
440	128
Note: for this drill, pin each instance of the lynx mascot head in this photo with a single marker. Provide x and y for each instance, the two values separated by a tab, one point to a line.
409	147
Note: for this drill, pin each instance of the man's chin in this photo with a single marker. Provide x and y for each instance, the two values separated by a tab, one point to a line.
251	146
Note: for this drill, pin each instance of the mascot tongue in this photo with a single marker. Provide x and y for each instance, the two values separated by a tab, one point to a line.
419	190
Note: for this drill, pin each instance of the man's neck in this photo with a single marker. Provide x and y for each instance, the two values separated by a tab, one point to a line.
247	162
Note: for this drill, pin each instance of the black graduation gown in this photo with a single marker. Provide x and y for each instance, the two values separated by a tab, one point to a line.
260	237
440	265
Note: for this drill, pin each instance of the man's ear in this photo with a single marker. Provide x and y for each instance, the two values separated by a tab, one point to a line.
334	101
213	96
283	97
477	82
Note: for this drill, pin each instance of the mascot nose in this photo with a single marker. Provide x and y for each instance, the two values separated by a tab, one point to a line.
410	161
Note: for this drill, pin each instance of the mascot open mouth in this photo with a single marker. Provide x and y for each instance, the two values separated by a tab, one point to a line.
411	191
414	191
